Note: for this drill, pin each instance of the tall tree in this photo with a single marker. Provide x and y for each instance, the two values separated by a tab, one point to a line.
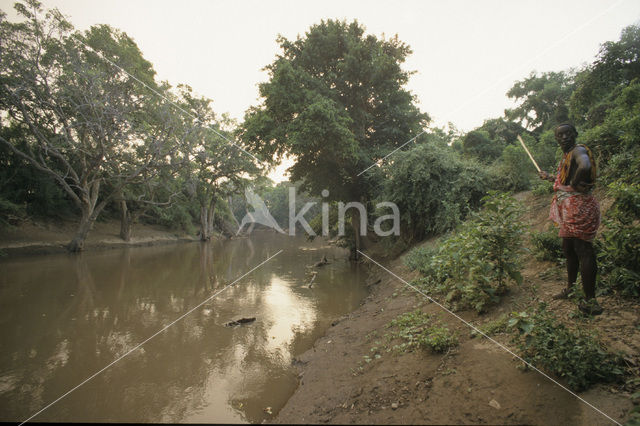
544	100
336	102
617	65
155	186
217	168
81	114
477	143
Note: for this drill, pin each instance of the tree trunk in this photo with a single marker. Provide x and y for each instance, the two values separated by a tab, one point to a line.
125	221
355	223
232	214
210	217
86	223
204	212
90	211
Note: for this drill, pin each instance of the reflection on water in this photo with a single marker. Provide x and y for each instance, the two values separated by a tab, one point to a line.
64	317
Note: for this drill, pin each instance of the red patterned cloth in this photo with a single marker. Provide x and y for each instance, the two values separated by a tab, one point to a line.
576	214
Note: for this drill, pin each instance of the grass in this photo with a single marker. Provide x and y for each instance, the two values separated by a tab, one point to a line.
417	329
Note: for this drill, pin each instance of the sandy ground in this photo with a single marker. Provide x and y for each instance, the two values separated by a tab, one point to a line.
32	238
475	383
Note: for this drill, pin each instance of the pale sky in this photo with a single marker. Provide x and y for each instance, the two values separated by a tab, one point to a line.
467	54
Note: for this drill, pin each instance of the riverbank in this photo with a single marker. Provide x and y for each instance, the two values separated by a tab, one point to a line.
37	237
353	376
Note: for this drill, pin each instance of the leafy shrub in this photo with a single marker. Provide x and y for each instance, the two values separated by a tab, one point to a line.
474	265
419	330
513	171
546	152
634	414
179	216
547	245
419	258
542	187
615	140
619	245
9	212
499	325
433	187
478	144
575	355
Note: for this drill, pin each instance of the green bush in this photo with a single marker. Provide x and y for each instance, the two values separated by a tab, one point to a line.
474	265
9	212
478	144
542	187
419	258
616	140
619	245
575	355
419	330
547	245
433	187
180	216
498	325
513	171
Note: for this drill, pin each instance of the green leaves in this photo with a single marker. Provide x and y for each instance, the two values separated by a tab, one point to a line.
619	245
547	245
474	266
433	187
575	355
420	330
335	100
544	98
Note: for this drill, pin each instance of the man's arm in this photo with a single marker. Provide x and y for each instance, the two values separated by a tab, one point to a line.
581	180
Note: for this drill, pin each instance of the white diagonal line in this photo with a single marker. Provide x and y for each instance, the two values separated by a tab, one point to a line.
503	347
178	107
154	335
393	152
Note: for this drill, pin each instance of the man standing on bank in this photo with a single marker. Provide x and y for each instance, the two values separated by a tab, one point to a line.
577	213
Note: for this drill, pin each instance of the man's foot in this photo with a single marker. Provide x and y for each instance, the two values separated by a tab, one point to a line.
564	294
590	307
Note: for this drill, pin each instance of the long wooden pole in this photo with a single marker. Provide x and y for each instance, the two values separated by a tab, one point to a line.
530	156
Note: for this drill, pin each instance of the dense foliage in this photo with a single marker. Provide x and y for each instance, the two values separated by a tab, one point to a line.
544	98
86	126
619	245
433	187
474	265
575	355
547	245
336	102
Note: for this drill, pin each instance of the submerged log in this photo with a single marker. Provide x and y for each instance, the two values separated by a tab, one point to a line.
315	274
240	321
322	262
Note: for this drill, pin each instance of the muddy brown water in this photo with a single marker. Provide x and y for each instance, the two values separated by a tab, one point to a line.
65	317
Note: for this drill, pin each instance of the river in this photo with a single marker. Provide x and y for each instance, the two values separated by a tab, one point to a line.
64	318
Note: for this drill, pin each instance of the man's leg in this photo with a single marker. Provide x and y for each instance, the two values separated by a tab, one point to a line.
588	266
572	267
588	271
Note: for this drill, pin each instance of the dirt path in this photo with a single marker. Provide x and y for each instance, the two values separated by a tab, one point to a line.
475	383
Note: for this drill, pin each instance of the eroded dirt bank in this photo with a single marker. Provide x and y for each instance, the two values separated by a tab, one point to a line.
475	383
33	238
